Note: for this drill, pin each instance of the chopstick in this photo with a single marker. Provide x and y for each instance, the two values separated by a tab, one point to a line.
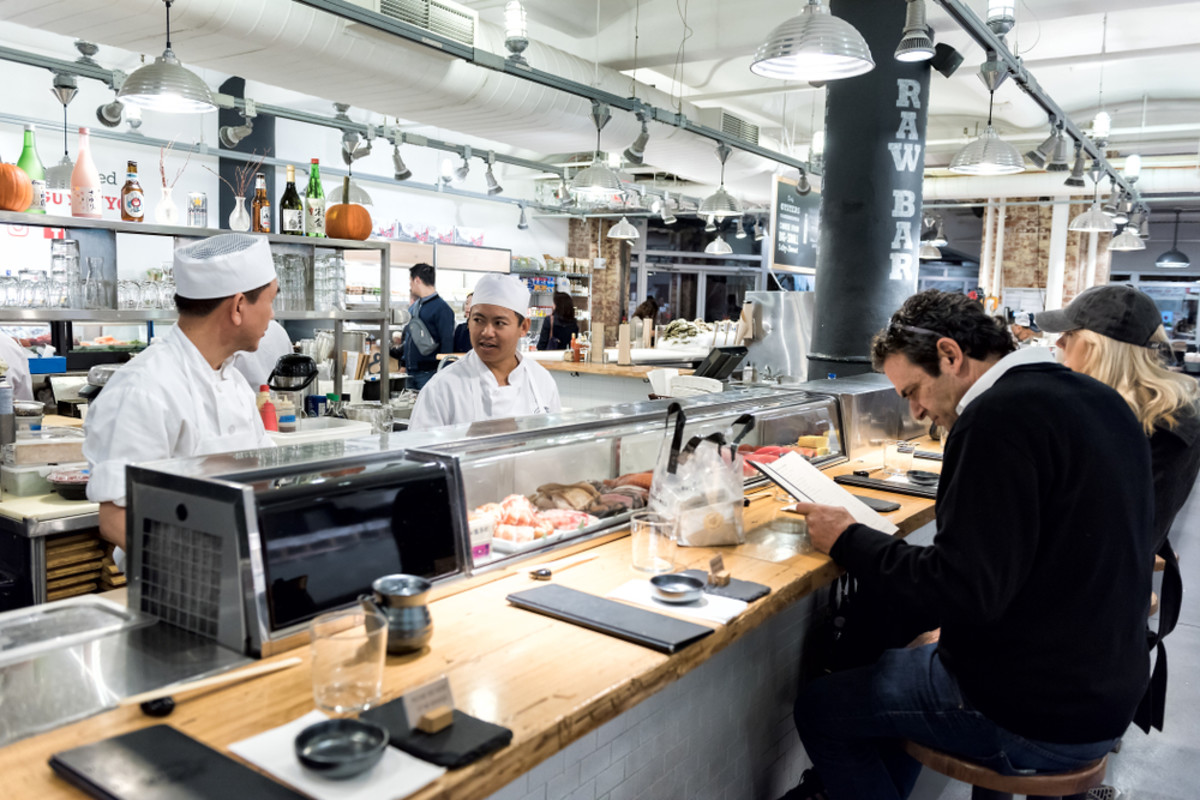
215	680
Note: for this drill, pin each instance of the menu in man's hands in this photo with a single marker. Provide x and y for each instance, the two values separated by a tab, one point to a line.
809	485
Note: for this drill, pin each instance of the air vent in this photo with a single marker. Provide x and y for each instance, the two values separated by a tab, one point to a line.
737	127
181	577
440	18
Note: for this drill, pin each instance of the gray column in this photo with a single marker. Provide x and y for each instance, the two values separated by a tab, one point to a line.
871	195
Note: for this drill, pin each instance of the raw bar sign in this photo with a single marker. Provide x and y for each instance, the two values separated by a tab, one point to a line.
908	161
796	220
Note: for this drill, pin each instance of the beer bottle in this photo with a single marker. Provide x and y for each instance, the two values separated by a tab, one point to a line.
133	200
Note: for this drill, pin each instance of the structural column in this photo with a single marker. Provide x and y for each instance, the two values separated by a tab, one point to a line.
871	196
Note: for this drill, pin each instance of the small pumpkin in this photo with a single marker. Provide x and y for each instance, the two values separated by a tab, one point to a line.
347	220
16	190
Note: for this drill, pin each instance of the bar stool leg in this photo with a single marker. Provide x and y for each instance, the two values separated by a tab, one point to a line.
979	793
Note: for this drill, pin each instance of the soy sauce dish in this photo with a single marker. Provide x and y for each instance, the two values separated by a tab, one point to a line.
677	588
341	748
922	477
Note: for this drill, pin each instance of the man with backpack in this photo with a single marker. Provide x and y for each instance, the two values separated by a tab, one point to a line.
429	333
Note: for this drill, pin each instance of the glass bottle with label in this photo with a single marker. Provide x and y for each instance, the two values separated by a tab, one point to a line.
87	200
261	208
291	208
31	165
314	202
133	200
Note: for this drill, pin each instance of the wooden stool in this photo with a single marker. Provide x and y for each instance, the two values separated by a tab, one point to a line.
990	785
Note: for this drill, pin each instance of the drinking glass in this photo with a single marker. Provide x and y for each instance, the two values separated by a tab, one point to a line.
348	650
93	285
898	458
653	536
58	288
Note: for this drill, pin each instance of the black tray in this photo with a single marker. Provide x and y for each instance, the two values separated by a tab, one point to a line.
464	742
889	486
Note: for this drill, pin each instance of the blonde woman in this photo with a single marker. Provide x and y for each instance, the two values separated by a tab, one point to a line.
1113	334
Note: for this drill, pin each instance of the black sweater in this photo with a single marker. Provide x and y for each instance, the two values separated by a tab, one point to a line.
1041	566
1175	459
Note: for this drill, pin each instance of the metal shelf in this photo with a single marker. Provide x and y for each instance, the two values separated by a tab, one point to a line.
362	316
84	315
580	275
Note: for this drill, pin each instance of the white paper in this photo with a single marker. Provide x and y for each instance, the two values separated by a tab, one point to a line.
709	608
809	485
397	774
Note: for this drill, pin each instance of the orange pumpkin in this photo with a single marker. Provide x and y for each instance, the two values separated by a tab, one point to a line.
16	190
347	220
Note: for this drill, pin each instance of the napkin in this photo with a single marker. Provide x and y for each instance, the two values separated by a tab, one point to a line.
396	775
709	608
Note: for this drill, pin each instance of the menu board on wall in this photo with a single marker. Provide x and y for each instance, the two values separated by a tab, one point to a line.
795	227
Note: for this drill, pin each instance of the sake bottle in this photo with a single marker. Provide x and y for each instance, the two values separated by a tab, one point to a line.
31	165
86	197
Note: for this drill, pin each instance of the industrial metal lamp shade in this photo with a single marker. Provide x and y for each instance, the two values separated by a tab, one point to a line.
166	85
988	155
1174	258
595	183
719	205
718	247
1093	220
928	252
814	46
358	195
623	230
916	43
1126	240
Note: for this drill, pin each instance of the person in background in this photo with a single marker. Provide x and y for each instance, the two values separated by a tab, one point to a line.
17	360
1115	335
645	314
1025	330
257	365
1041	464
494	380
429	333
462	331
557	331
181	396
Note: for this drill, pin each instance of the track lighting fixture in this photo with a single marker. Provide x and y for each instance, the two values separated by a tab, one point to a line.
110	114
493	185
636	152
760	230
523	221
740	228
230	135
401	172
710	226
1076	177
916	44
803	187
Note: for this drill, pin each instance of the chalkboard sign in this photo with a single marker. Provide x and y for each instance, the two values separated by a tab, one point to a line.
795	226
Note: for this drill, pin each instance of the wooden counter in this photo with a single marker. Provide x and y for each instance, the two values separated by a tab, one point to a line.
549	681
608	370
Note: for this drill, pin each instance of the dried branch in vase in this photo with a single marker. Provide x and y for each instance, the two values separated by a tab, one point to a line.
243	176
162	166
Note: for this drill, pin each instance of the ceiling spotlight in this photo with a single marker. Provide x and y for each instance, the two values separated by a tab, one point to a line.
1174	258
814	46
1127	240
446	173
623	230
760	230
938	238
596	183
711	226
1077	172
803	187
166	85
461	173
668	218
230	135
1059	159
133	115
946	59
400	169
516	36
718	247
636	152
664	211
916	43
721	204
1039	155
523	222
1001	16
110	114
740	228
493	186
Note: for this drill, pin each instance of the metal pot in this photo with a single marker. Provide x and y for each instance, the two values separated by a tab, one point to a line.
403	600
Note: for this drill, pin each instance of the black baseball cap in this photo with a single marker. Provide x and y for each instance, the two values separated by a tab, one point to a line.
1118	312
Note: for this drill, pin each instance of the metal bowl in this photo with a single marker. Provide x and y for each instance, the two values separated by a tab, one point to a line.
676	588
923	477
341	748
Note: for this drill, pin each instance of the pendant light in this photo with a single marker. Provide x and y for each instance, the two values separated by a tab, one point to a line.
989	154
814	46
1127	240
623	230
928	252
718	247
721	204
596	183
1174	258
1094	219
166	85
59	176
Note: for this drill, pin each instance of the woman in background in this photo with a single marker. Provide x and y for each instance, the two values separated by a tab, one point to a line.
557	331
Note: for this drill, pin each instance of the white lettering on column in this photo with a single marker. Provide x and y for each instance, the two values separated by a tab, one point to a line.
905	155
905	203
909	95
901	267
908	126
904	239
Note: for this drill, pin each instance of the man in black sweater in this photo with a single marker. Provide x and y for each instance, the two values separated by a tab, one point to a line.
1039	572
419	350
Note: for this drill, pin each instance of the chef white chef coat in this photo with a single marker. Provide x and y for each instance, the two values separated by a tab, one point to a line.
467	391
257	365
167	403
17	358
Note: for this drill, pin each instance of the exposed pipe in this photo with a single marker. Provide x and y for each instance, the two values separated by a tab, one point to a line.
1160	180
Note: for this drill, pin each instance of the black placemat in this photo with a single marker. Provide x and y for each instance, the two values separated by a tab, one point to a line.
889	486
162	763
656	631
749	591
464	742
931	455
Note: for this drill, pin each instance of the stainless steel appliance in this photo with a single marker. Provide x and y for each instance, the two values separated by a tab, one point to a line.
783	326
872	411
246	548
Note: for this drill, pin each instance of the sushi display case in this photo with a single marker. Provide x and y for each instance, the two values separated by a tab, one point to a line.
529	485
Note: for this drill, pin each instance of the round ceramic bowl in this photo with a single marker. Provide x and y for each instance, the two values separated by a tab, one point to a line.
341	748
923	477
676	588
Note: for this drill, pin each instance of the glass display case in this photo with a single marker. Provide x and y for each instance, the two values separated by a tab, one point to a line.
531	484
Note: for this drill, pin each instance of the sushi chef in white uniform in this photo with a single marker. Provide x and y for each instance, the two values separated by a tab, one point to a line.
493	380
182	396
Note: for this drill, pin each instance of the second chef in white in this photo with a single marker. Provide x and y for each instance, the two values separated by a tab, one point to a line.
493	380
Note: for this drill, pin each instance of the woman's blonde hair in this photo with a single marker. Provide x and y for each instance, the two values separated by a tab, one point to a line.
1155	393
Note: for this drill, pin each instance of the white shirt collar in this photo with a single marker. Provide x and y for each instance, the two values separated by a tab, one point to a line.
515	378
1017	358
196	359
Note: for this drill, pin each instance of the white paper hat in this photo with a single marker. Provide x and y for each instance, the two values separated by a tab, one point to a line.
223	265
506	291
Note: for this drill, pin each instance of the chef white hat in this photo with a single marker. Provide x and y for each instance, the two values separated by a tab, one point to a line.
506	291
223	265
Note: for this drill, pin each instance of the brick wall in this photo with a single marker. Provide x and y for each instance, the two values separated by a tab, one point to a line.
588	238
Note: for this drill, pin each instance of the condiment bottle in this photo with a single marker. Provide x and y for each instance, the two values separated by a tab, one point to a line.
264	395
86	198
269	418
575	356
